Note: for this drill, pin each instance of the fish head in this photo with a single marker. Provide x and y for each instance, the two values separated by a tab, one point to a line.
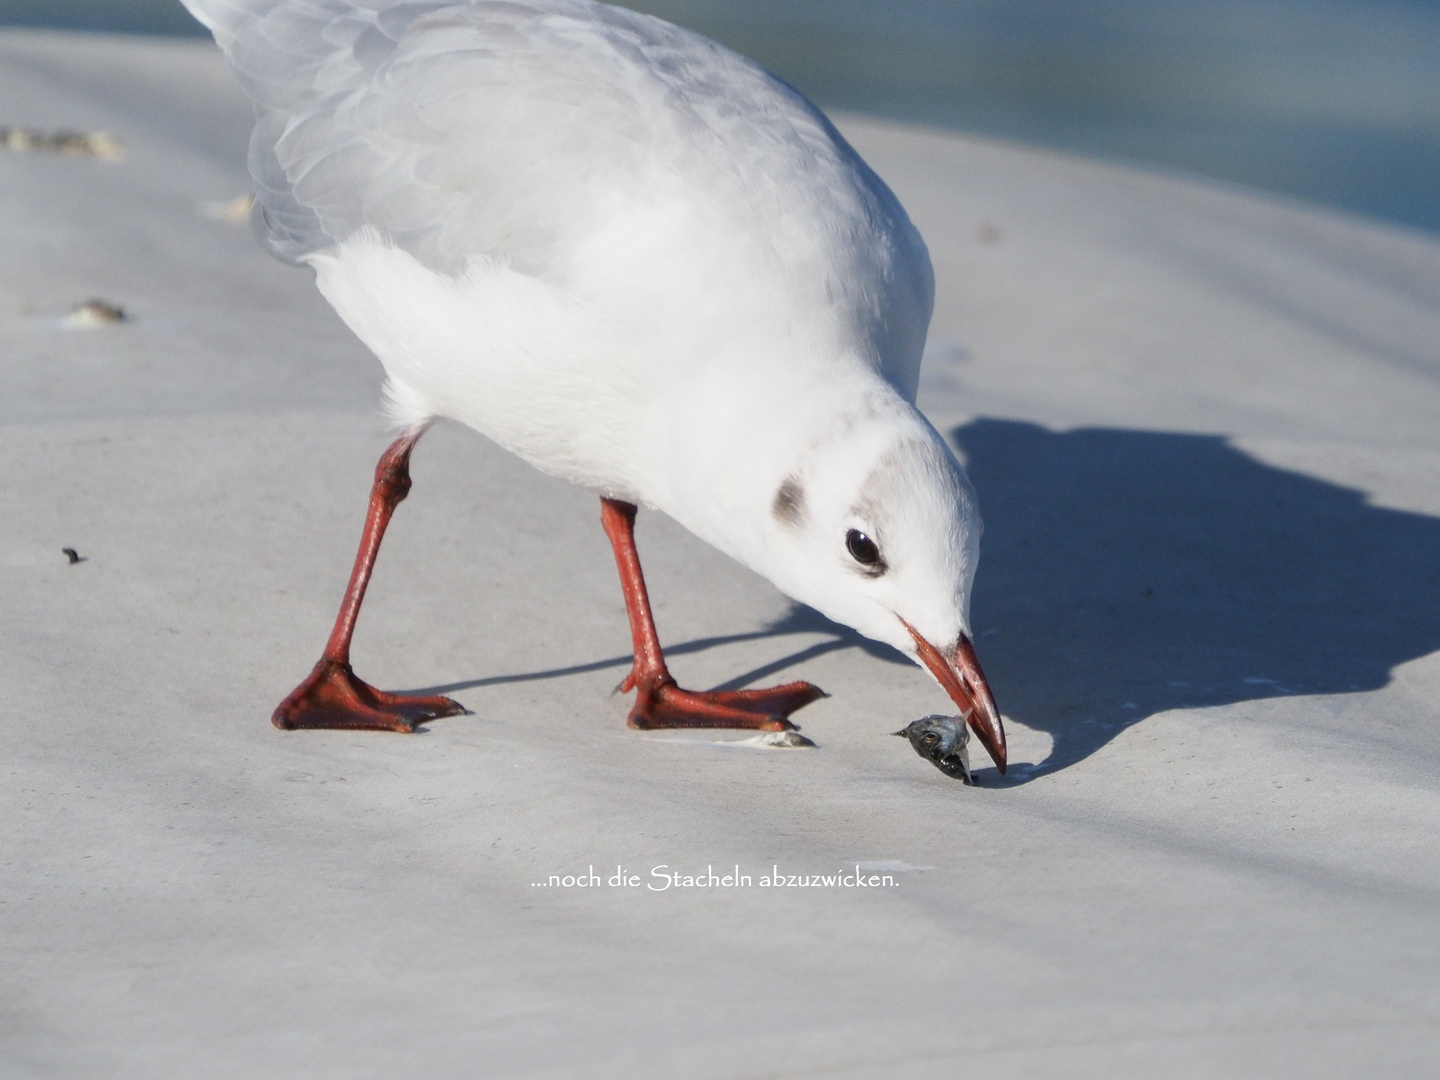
941	740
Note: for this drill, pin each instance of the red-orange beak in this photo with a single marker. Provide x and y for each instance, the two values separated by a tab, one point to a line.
959	673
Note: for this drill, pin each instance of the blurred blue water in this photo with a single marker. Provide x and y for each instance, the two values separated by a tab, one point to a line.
1337	101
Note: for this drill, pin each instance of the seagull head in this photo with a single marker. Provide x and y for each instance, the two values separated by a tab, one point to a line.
876	527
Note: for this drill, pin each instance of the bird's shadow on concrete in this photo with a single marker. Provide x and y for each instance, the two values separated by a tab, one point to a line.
799	619
1126	573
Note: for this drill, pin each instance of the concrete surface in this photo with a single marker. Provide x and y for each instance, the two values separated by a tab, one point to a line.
1205	430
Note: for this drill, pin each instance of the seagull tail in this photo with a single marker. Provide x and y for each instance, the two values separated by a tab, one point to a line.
221	17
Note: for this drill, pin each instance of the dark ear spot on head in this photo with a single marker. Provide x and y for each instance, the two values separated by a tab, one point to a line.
789	504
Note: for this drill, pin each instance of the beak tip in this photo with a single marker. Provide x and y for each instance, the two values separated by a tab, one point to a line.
993	739
961	676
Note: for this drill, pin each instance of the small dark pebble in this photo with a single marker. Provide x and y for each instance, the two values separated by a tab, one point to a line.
73	555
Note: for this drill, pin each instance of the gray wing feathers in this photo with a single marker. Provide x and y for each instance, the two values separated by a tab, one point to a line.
303	62
509	128
439	124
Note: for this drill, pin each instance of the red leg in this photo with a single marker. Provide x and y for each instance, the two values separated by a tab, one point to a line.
332	696
659	703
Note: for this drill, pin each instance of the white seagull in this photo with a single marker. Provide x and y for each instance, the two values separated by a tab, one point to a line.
644	265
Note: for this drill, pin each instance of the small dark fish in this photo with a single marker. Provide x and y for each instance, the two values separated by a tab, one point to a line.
73	555
941	740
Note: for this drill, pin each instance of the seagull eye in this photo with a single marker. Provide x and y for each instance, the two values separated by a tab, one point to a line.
862	549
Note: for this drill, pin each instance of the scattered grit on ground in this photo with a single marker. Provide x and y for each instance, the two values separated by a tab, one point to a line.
1205	430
